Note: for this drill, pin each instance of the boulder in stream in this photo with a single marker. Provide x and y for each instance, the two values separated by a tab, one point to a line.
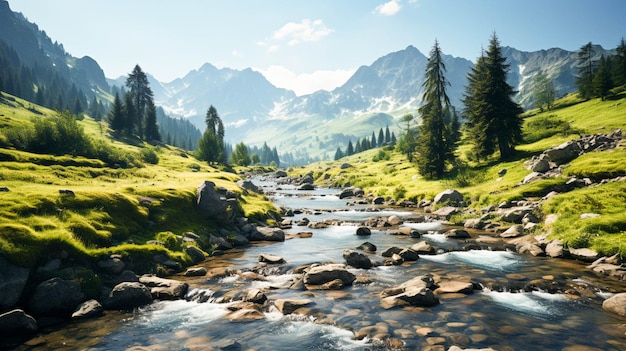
616	304
316	277
127	296
357	259
17	322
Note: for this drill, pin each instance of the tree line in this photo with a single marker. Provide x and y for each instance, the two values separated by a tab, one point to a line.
384	138
136	114
597	76
40	83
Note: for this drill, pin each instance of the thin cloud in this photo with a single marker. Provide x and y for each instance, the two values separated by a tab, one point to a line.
307	30
389	8
305	83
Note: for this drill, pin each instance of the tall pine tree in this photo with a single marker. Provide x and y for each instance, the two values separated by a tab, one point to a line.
434	147
493	117
142	97
586	71
211	145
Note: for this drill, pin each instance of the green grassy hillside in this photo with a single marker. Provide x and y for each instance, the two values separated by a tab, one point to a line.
115	209
392	176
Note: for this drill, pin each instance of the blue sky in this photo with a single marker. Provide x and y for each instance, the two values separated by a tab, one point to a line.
313	44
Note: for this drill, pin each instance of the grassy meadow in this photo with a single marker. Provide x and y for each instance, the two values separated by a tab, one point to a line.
114	210
385	172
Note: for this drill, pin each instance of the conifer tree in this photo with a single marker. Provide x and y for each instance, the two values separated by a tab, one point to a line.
586	71
602	80
381	138
543	92
130	115
433	144
350	149
387	135
493	117
619	75
211	145
338	154
151	132
116	115
142	96
373	142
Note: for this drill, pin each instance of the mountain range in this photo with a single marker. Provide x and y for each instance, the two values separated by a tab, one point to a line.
311	126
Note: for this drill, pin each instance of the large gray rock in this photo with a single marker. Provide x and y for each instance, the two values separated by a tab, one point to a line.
423	247
555	248
164	289
616	304
449	196
12	282
112	265
413	296
195	253
271	259
446	212
209	202
357	259
564	153
219	242
127	296
288	306
516	214
268	234
250	186
88	309
55	296
17	322
323	274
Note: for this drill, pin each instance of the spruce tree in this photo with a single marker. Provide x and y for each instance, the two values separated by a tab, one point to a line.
211	145
433	143
350	149
116	115
602	80
493	117
152	130
338	154
142	96
381	138
619	75
586	71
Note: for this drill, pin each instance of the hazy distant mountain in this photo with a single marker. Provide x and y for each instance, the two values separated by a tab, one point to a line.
376	96
313	125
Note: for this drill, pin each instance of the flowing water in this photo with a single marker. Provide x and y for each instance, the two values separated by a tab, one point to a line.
502	315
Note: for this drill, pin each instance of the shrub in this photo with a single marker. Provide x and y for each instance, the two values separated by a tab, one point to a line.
149	155
170	239
382	155
545	127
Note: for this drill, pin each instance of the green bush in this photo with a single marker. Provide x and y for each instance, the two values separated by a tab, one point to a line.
170	239
150	156
544	127
382	155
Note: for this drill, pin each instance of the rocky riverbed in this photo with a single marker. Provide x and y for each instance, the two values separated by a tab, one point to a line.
371	275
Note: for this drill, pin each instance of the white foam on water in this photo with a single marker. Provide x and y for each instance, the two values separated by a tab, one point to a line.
604	294
230	279
330	337
437	237
535	303
423	226
550	297
493	260
182	313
